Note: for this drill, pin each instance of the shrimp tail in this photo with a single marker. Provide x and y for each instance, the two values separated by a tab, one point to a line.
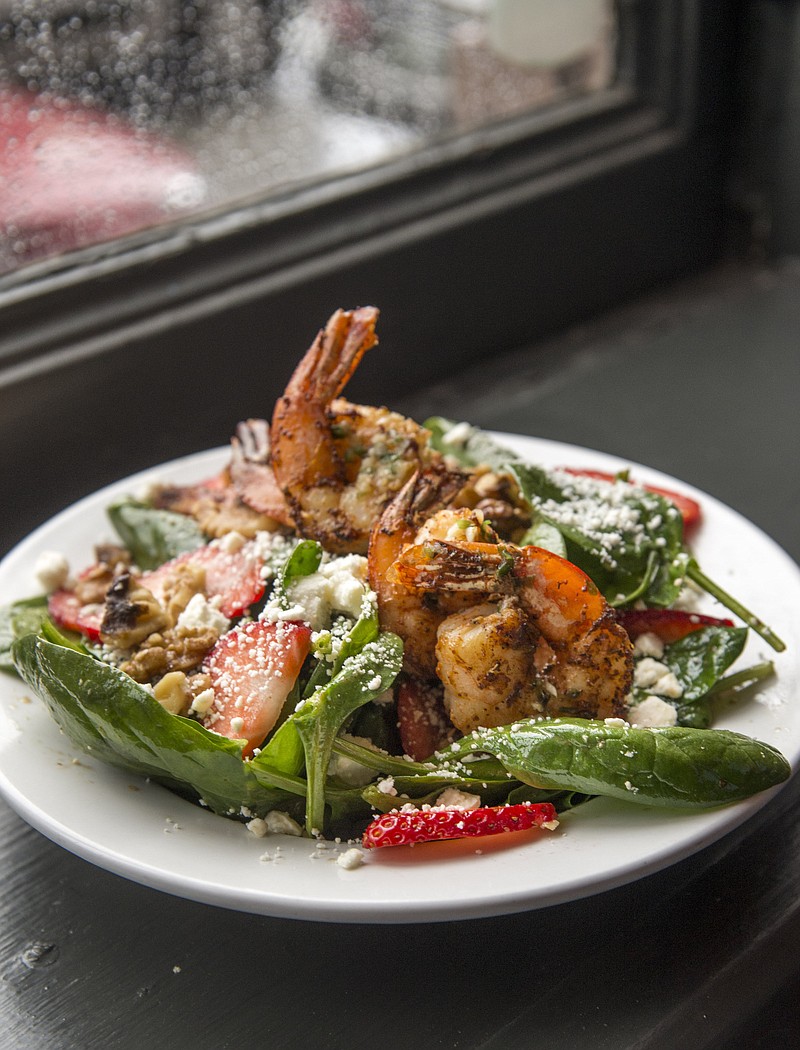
303	454
331	359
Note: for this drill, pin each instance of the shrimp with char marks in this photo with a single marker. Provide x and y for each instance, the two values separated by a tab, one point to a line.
419	512
537	639
423	510
337	463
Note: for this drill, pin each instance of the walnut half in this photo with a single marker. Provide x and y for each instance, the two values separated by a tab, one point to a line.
131	614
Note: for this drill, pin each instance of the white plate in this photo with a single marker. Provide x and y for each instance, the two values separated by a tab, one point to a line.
145	833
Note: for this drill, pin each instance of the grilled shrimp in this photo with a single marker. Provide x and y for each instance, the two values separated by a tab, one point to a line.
536	638
420	512
337	463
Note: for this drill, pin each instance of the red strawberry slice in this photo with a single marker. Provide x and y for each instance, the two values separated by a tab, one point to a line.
421	718
429	825
252	670
67	611
689	508
669	624
233	576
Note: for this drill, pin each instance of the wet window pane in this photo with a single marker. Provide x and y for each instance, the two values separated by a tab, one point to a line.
121	116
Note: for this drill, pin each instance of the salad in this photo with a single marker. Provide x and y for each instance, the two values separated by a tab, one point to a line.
366	627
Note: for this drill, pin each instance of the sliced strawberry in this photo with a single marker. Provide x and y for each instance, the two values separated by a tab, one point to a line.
252	670
421	718
428	825
669	624
67	611
233	576
689	508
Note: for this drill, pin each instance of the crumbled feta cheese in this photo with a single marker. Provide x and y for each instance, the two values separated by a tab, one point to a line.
280	823
649	644
648	671
202	703
148	489
237	725
653	712
615	723
257	827
200	612
349	771
346	576
350	859
52	570
386	786
668	685
338	586
272	548
458	434
455	799
231	542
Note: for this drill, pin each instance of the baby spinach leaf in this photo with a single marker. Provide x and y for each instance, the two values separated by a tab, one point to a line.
153	536
543	534
108	715
318	720
16	620
733	687
700	660
628	540
304	560
696	715
672	766
377	721
345	639
283	751
469	445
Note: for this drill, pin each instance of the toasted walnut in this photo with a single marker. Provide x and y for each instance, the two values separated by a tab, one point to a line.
175	649
180	585
508	520
112	555
497	496
112	561
198	683
131	614
173	693
202	694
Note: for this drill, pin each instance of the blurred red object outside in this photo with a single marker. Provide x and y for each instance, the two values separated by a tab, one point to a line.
71	176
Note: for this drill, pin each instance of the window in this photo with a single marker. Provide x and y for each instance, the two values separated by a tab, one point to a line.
121	115
473	240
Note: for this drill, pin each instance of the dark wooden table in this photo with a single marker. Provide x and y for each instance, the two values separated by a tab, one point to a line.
701	382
